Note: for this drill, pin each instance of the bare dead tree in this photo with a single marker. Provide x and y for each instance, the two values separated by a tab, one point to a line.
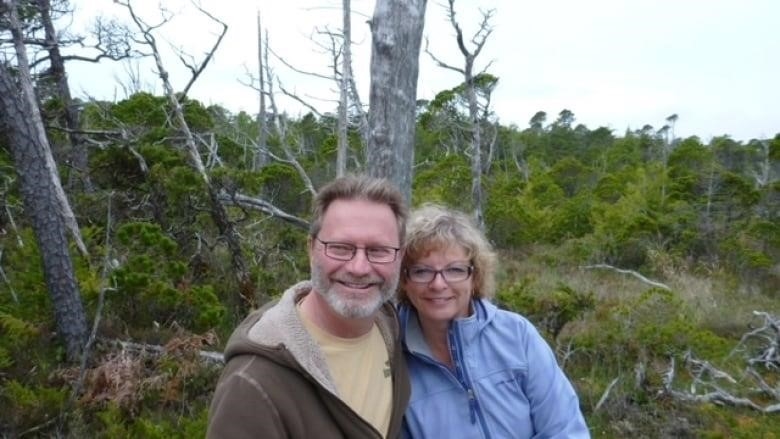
260	156
281	130
396	30
77	153
218	212
478	41
346	60
278	125
44	199
338	45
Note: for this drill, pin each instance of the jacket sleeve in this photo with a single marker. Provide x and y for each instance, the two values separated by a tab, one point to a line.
555	407
241	409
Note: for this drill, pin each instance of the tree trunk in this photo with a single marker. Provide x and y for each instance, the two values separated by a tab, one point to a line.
343	141
77	153
43	199
396	31
476	146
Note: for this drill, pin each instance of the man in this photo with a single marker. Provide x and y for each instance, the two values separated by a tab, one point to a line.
324	361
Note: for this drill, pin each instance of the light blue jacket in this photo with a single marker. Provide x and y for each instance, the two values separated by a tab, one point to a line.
506	382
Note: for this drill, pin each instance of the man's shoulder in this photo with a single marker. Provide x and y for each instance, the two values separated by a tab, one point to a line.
272	365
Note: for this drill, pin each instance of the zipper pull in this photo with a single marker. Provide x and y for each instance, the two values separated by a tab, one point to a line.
473	406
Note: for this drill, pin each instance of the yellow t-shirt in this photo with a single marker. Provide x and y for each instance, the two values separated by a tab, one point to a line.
361	369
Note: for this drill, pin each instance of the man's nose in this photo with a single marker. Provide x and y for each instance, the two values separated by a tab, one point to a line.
359	263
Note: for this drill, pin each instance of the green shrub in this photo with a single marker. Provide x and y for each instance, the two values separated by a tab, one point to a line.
152	286
655	325
28	405
552	310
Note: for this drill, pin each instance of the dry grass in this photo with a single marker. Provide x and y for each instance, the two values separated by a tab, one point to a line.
713	298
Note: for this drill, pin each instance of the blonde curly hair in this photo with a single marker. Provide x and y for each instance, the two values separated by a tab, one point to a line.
434	227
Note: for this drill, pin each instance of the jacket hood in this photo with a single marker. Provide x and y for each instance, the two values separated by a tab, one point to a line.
276	332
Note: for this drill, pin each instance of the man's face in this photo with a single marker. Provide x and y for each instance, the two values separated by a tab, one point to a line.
358	287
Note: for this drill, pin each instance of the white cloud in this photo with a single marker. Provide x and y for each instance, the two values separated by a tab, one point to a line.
612	62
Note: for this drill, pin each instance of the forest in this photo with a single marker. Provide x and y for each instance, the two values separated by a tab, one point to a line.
135	234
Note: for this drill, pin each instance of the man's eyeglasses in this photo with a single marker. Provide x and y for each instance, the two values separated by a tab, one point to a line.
344	251
453	273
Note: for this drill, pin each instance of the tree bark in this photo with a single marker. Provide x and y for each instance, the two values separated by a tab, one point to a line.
396	31
43	198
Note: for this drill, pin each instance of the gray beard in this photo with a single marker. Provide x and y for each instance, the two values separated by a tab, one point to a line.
346	307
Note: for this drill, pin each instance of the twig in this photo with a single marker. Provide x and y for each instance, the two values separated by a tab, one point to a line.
603	398
107	268
5	279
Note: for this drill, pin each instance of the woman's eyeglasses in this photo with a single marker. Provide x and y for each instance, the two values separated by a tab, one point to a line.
453	273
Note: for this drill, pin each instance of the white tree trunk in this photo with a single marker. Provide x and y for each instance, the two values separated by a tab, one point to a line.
396	31
343	141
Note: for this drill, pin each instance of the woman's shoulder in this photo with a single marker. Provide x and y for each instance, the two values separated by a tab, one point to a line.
501	315
506	320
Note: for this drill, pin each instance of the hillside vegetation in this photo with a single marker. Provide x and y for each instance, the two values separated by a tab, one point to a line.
651	263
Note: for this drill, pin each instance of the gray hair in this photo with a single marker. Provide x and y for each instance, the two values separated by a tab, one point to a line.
359	187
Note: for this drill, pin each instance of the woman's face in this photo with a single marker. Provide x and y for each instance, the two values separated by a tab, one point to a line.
440	300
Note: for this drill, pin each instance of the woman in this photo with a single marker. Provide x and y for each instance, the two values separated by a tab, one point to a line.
476	371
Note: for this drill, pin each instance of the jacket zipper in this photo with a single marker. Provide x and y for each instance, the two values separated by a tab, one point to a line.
462	375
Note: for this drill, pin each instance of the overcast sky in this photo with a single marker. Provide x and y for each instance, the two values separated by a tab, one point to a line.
615	63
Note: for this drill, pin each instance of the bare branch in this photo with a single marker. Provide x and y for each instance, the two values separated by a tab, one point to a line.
198	69
708	376
299	100
768	354
281	130
263	206
295	69
630	272
207	356
441	63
